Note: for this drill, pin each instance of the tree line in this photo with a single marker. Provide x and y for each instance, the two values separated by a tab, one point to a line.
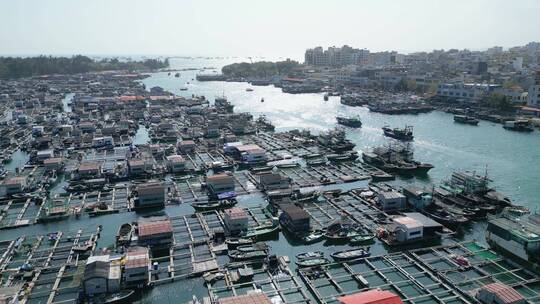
16	67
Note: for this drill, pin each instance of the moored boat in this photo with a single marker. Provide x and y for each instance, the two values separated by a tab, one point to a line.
466	120
352	122
352	254
312	262
404	134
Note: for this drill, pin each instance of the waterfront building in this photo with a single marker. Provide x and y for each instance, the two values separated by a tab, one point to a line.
176	163
413	226
516	235
156	233
54	163
417	197
533	98
13	185
252	154
468	92
139	166
102	274
90	169
294	219
499	293
391	200
137	265
151	195
273	181
220	185
103	142
236	220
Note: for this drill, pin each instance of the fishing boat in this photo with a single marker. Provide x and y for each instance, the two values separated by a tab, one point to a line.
352	122
213	205
310	255
124	234
352	254
518	125
260	231
361	239
119	297
313	237
252	247
446	218
312	262
235	242
404	134
466	120
247	255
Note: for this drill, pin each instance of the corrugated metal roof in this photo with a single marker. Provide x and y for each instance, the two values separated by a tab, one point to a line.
254	298
375	296
152	228
506	294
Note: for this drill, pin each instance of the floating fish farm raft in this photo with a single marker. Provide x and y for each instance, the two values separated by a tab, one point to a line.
130	194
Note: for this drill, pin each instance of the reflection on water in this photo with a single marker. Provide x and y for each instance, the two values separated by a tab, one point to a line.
510	157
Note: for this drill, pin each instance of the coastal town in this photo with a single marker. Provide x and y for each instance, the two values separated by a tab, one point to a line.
269	152
193	192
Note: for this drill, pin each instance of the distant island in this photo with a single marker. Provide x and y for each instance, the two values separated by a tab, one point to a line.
259	69
17	67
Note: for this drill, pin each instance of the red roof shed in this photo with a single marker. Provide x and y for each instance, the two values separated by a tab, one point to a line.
375	296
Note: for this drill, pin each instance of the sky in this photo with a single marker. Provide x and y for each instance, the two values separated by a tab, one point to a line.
283	28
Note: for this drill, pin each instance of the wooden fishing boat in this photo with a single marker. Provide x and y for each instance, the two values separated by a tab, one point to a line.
352	254
310	255
312	262
247	255
213	205
365	238
252	247
260	231
124	234
313	237
235	242
120	297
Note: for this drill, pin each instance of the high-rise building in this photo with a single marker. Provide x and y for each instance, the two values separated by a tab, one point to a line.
336	57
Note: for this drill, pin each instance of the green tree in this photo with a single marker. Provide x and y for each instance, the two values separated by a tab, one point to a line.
500	102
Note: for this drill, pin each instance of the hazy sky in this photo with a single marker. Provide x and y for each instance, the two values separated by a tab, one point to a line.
260	28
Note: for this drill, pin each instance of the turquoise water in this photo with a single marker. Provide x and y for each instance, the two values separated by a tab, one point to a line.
511	158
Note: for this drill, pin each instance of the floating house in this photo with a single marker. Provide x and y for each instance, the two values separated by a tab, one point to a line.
499	293
155	233
176	163
294	219
375	296
137	265
221	185
391	200
151	195
236	220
